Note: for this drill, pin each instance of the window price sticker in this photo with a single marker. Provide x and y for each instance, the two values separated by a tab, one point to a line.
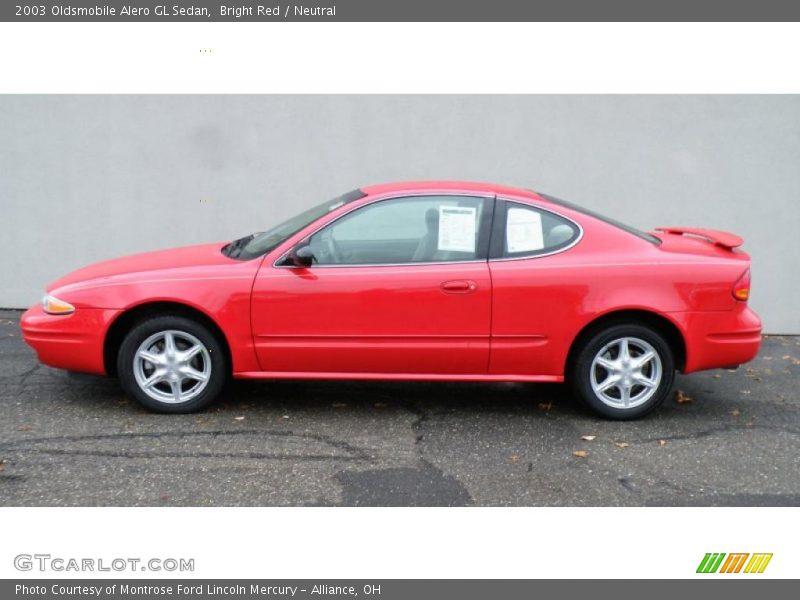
524	230
457	228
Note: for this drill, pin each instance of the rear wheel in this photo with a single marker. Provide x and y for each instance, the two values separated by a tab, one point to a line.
171	364
624	371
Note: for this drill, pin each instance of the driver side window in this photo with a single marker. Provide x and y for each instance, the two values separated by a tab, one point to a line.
415	229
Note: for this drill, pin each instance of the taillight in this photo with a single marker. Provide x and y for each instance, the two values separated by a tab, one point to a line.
741	289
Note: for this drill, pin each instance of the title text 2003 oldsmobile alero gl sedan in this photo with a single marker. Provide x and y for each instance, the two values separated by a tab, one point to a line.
417	281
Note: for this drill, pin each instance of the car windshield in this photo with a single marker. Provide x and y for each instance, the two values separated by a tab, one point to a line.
258	244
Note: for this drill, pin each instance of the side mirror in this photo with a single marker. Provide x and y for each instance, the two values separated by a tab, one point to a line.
302	256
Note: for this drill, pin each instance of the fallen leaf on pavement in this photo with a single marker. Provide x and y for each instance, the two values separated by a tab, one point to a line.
588	438
2	465
735	412
681	397
621	444
513	459
662	443
580	453
24	428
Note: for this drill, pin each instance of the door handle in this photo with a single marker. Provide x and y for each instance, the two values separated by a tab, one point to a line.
459	286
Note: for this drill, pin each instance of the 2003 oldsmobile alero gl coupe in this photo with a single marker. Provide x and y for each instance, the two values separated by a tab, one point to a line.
415	281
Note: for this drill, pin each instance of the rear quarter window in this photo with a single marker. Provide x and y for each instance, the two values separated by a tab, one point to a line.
529	231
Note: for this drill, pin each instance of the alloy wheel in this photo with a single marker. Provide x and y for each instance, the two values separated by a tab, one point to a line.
172	366
626	373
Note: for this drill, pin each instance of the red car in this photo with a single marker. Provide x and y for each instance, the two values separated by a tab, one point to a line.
414	281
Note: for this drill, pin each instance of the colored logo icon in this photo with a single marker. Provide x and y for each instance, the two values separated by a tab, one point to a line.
719	562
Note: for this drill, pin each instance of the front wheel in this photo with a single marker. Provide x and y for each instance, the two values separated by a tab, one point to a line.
624	371
171	364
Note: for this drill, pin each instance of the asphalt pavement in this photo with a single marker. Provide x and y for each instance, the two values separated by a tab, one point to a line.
726	438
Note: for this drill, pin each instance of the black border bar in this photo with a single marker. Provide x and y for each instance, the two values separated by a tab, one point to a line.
730	588
402	10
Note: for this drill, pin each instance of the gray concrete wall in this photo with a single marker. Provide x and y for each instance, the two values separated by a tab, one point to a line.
84	178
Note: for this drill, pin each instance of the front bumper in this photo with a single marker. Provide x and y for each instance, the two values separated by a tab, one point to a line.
73	342
721	339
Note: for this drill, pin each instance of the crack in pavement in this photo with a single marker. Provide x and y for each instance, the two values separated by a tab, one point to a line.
23	377
245	455
355	453
696	435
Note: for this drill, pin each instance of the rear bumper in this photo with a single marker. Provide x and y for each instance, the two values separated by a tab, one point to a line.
721	339
73	342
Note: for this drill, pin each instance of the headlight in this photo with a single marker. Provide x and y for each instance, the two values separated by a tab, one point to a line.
54	306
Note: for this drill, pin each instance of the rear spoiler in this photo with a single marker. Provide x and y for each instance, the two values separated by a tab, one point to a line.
720	238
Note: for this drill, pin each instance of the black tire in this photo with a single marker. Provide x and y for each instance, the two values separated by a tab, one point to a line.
582	370
216	371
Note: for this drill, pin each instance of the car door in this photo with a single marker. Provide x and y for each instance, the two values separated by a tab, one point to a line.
398	285
538	286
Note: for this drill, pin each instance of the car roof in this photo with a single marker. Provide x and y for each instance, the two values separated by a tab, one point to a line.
460	186
501	190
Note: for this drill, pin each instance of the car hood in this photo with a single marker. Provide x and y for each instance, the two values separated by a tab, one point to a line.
147	262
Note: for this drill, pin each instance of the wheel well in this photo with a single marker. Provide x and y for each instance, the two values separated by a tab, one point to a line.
662	325
123	324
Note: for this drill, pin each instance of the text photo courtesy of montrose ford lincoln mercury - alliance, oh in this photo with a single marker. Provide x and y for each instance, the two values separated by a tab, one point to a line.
413	281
